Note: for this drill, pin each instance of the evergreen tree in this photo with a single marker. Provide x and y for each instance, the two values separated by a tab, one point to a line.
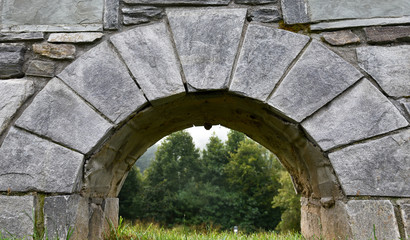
131	195
234	138
214	159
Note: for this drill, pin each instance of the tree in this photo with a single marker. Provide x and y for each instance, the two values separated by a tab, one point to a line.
234	138
131	195
214	159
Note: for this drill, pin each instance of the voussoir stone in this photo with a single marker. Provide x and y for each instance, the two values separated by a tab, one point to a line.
103	80
369	217
387	34
40	68
13	93
149	54
340	38
389	66
377	168
58	113
359	113
182	2
317	77
207	41
265	56
141	14
32	163
55	51
11	60
65	214
84	37
15	215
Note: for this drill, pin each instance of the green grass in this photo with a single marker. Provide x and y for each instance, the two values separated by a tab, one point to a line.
151	231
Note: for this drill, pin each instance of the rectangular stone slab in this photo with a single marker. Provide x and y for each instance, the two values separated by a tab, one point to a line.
15	213
11	60
375	168
359	113
173	2
358	23
58	113
149	54
31	163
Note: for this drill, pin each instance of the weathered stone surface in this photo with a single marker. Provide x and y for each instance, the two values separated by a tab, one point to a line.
15	212
84	37
264	14
138	15
63	214
56	51
255	2
295	11
207	41
111	14
12	37
346	9
13	93
340	38
376	168
40	68
358	23
405	213
318	77
58	113
387	34
44	12
265	56
389	66
31	163
111	210
151	59
366	215
96	222
366	113
405	102
182	2
53	28
11	60
102	79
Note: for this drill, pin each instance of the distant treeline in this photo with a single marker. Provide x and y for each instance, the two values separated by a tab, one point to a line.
232	183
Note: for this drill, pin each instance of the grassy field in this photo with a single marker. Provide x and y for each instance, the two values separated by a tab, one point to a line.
141	231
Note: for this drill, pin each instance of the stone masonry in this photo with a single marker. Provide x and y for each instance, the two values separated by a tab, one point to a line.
87	86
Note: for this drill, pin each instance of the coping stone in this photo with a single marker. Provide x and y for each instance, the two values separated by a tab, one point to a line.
265	56
13	94
101	78
360	112
389	66
316	78
15	214
376	168
58	113
30	163
207	42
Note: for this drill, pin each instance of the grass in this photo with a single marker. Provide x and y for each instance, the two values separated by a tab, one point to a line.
152	231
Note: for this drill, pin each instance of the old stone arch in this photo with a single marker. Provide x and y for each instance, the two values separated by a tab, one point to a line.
344	142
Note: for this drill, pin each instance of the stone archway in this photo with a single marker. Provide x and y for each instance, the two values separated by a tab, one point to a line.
344	143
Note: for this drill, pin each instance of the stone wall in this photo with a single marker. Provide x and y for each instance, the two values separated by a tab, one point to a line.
338	118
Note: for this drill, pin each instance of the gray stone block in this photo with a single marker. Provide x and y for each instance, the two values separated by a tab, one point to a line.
85	37
58	113
32	163
389	66
16	215
340	38
347	9
53	28
111	211
103	80
111	14
12	37
40	68
255	2
141	14
149	54
295	11
13	93
377	168
318	77
178	2
265	56
55	51
65	214
368	214
359	23
264	14
359	113
207	41
44	12
11	60
405	213
387	34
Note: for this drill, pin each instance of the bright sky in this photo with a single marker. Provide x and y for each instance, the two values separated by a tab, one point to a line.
201	136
